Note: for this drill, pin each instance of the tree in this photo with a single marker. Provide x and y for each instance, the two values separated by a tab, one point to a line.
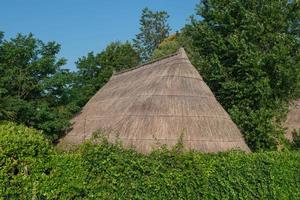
119	56
94	70
33	87
248	53
153	30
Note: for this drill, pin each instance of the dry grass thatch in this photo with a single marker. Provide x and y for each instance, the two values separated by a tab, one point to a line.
293	119
156	104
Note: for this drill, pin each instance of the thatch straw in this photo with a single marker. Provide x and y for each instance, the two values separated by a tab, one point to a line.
292	122
156	104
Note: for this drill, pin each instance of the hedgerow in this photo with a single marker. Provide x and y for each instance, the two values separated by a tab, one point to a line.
31	169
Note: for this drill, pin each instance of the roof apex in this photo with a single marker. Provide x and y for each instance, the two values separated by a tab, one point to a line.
181	52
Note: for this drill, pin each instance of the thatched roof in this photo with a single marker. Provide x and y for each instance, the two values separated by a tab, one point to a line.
293	119
155	104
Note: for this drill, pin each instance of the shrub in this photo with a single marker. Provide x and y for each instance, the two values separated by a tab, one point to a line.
30	169
20	148
115	173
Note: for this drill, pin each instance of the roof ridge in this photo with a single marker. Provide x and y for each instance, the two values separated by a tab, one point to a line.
148	62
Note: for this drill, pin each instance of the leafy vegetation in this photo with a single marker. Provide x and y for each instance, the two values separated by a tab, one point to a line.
153	30
36	91
33	86
94	70
248	53
20	150
31	169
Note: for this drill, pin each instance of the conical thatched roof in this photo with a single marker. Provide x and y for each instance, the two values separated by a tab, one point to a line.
156	104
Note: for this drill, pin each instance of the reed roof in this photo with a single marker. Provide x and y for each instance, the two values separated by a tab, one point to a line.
156	104
293	119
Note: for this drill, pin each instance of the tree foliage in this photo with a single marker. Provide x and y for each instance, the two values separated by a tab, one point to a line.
34	89
94	70
248	53
153	30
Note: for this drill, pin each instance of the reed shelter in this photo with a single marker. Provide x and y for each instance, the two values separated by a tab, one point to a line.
155	104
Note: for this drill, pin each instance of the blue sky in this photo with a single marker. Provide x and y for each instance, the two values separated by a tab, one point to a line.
81	26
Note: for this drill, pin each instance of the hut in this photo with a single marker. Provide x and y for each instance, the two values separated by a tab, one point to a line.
156	104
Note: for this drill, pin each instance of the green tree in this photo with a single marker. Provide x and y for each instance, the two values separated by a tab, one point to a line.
33	87
248	53
153	30
94	70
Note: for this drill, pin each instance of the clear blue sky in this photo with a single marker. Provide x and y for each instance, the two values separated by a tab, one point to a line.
81	26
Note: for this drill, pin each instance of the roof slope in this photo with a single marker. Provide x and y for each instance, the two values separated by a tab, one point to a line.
156	104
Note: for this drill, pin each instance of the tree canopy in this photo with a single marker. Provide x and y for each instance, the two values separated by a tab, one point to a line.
94	70
248	53
153	30
35	90
33	86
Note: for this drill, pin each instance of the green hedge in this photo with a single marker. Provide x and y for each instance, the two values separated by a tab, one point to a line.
109	172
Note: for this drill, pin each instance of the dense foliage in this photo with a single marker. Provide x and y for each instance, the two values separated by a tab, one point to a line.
20	149
248	53
33	86
31	169
153	30
36	91
94	70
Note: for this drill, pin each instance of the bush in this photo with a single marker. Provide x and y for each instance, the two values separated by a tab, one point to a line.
116	173
106	171
20	149
62	176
